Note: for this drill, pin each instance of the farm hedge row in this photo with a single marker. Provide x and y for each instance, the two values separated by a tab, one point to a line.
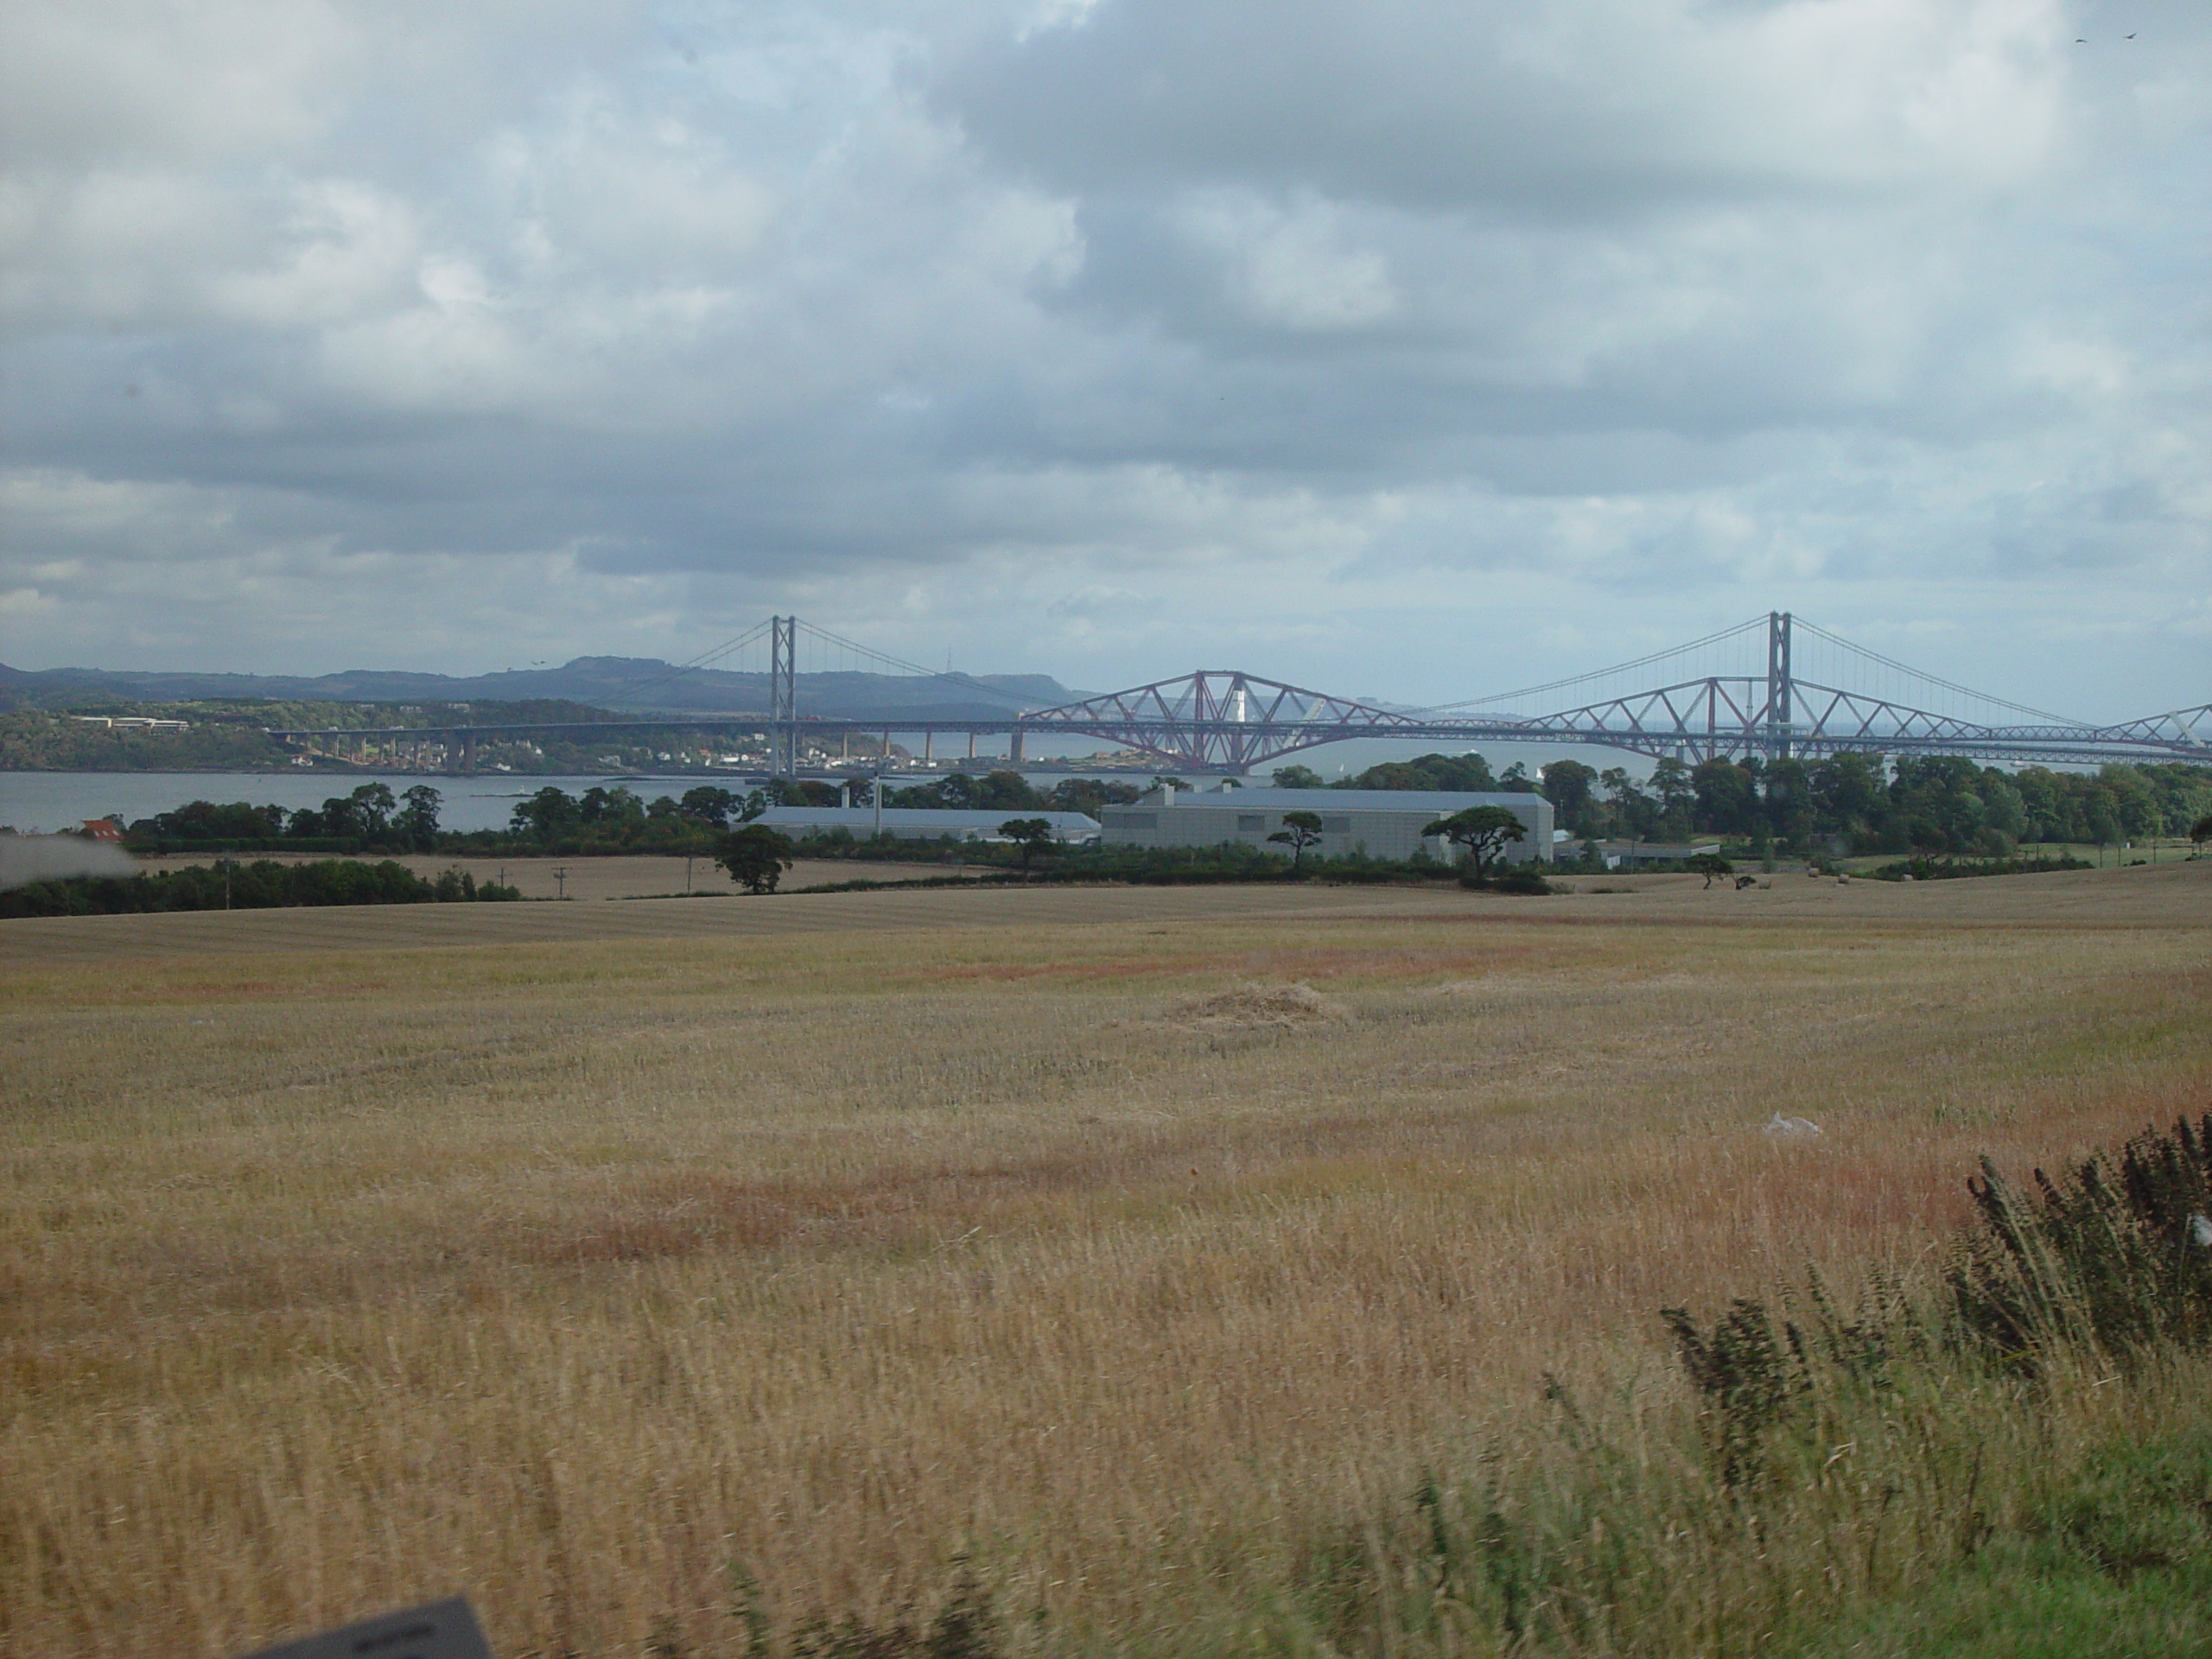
262	885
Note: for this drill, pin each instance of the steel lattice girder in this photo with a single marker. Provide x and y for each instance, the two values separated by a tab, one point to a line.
1218	718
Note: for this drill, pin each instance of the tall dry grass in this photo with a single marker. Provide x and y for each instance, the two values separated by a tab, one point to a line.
600	1281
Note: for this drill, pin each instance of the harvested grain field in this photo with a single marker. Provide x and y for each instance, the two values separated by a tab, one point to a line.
623	876
634	1266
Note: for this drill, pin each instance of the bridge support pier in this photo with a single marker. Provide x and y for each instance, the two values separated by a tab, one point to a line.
1014	748
783	695
1778	733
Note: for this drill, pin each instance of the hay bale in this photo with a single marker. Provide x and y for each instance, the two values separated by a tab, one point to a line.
1257	1008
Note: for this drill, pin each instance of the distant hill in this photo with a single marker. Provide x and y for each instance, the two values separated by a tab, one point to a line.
625	683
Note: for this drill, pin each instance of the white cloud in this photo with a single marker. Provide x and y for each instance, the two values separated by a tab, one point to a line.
84	87
1344	333
1290	268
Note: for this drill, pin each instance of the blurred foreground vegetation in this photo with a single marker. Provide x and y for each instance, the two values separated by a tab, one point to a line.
2015	1462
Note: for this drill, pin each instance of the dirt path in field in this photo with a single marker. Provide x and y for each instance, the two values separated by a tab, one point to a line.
2177	895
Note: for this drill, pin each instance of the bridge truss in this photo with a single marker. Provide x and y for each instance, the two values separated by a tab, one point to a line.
1772	704
1219	720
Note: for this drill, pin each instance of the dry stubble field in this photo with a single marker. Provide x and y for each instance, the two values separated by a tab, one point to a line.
591	1259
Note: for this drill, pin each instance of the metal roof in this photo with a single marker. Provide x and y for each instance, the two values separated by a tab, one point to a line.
1436	802
952	822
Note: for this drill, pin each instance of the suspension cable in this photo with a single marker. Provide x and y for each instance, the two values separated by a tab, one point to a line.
1598	674
698	662
1932	679
967	681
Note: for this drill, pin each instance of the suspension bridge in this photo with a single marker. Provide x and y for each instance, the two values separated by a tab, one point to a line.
1776	686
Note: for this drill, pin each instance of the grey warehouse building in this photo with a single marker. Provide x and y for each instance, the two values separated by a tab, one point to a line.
918	823
1378	822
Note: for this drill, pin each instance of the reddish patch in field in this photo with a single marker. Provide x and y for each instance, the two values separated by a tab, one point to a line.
1305	962
1079	971
687	1214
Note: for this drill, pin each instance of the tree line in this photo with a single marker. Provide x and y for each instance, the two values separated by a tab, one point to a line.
1852	802
607	818
262	885
1846	803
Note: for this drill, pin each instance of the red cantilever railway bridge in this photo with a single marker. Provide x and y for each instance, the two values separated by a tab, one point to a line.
1230	721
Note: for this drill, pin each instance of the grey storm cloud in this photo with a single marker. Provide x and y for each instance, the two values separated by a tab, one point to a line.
1574	111
440	335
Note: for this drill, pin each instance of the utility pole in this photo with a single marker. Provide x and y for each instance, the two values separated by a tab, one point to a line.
1779	717
782	696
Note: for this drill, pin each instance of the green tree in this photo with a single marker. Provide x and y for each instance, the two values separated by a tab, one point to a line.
1848	792
2200	831
418	820
1087	795
1006	791
615	812
205	820
1789	802
1297	778
1569	787
709	805
1727	799
1457	773
1484	831
1671	783
1629	811
1299	830
1710	864
755	856
545	816
1032	835
376	804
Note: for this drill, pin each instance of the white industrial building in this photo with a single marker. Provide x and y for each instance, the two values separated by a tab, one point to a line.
1373	823
917	823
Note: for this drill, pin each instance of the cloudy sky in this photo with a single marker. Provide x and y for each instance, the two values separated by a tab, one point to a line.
1404	348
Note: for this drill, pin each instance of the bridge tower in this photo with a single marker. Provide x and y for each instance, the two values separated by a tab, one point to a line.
1778	732
782	696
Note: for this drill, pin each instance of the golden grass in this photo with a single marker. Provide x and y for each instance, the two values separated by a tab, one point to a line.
570	1272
